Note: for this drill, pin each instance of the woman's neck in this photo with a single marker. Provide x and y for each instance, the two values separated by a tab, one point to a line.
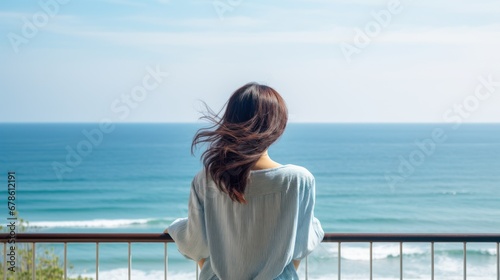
265	162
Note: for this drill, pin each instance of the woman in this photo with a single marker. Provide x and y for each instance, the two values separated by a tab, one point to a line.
249	216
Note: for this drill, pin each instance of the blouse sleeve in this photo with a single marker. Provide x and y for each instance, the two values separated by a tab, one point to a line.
189	233
309	230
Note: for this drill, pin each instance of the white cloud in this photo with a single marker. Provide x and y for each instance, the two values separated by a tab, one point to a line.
127	3
450	35
231	22
464	6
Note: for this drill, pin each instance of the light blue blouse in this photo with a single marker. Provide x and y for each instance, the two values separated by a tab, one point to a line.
257	240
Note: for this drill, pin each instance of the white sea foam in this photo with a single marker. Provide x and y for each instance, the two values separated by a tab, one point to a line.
122	273
490	252
364	277
101	223
354	277
382	251
454	192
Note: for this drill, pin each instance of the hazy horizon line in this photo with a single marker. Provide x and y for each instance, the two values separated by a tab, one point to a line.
290	122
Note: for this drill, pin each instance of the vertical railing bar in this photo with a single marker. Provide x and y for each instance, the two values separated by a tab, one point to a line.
165	261
129	261
33	259
401	260
498	260
196	270
371	260
97	261
432	260
65	260
465	260
307	271
340	256
4	261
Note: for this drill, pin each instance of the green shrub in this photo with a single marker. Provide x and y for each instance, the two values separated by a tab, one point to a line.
48	264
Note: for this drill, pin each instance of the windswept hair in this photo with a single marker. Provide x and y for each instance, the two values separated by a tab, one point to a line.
255	117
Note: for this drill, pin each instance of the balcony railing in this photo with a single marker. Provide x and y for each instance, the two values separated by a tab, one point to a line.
340	238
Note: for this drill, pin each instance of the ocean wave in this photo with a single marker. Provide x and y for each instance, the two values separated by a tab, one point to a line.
122	273
454	192
388	251
489	252
103	223
474	252
364	220
379	252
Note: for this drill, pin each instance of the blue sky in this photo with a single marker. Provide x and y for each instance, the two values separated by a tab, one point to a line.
420	61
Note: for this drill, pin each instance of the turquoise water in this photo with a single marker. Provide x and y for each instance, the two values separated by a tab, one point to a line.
136	178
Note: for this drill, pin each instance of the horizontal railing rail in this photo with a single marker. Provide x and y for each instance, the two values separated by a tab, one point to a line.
339	238
329	237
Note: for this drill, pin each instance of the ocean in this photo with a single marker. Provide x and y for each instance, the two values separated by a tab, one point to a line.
392	178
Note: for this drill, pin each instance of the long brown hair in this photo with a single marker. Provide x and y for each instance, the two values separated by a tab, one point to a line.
255	117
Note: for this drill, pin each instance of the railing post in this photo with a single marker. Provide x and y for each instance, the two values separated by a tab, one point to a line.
33	259
65	260
165	260
498	260
129	261
432	260
465	260
401	260
371	260
340	257
5	261
97	261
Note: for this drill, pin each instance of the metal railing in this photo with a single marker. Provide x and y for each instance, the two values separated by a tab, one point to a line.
339	238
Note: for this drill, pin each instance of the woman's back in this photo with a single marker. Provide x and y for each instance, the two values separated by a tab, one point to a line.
249	217
256	240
